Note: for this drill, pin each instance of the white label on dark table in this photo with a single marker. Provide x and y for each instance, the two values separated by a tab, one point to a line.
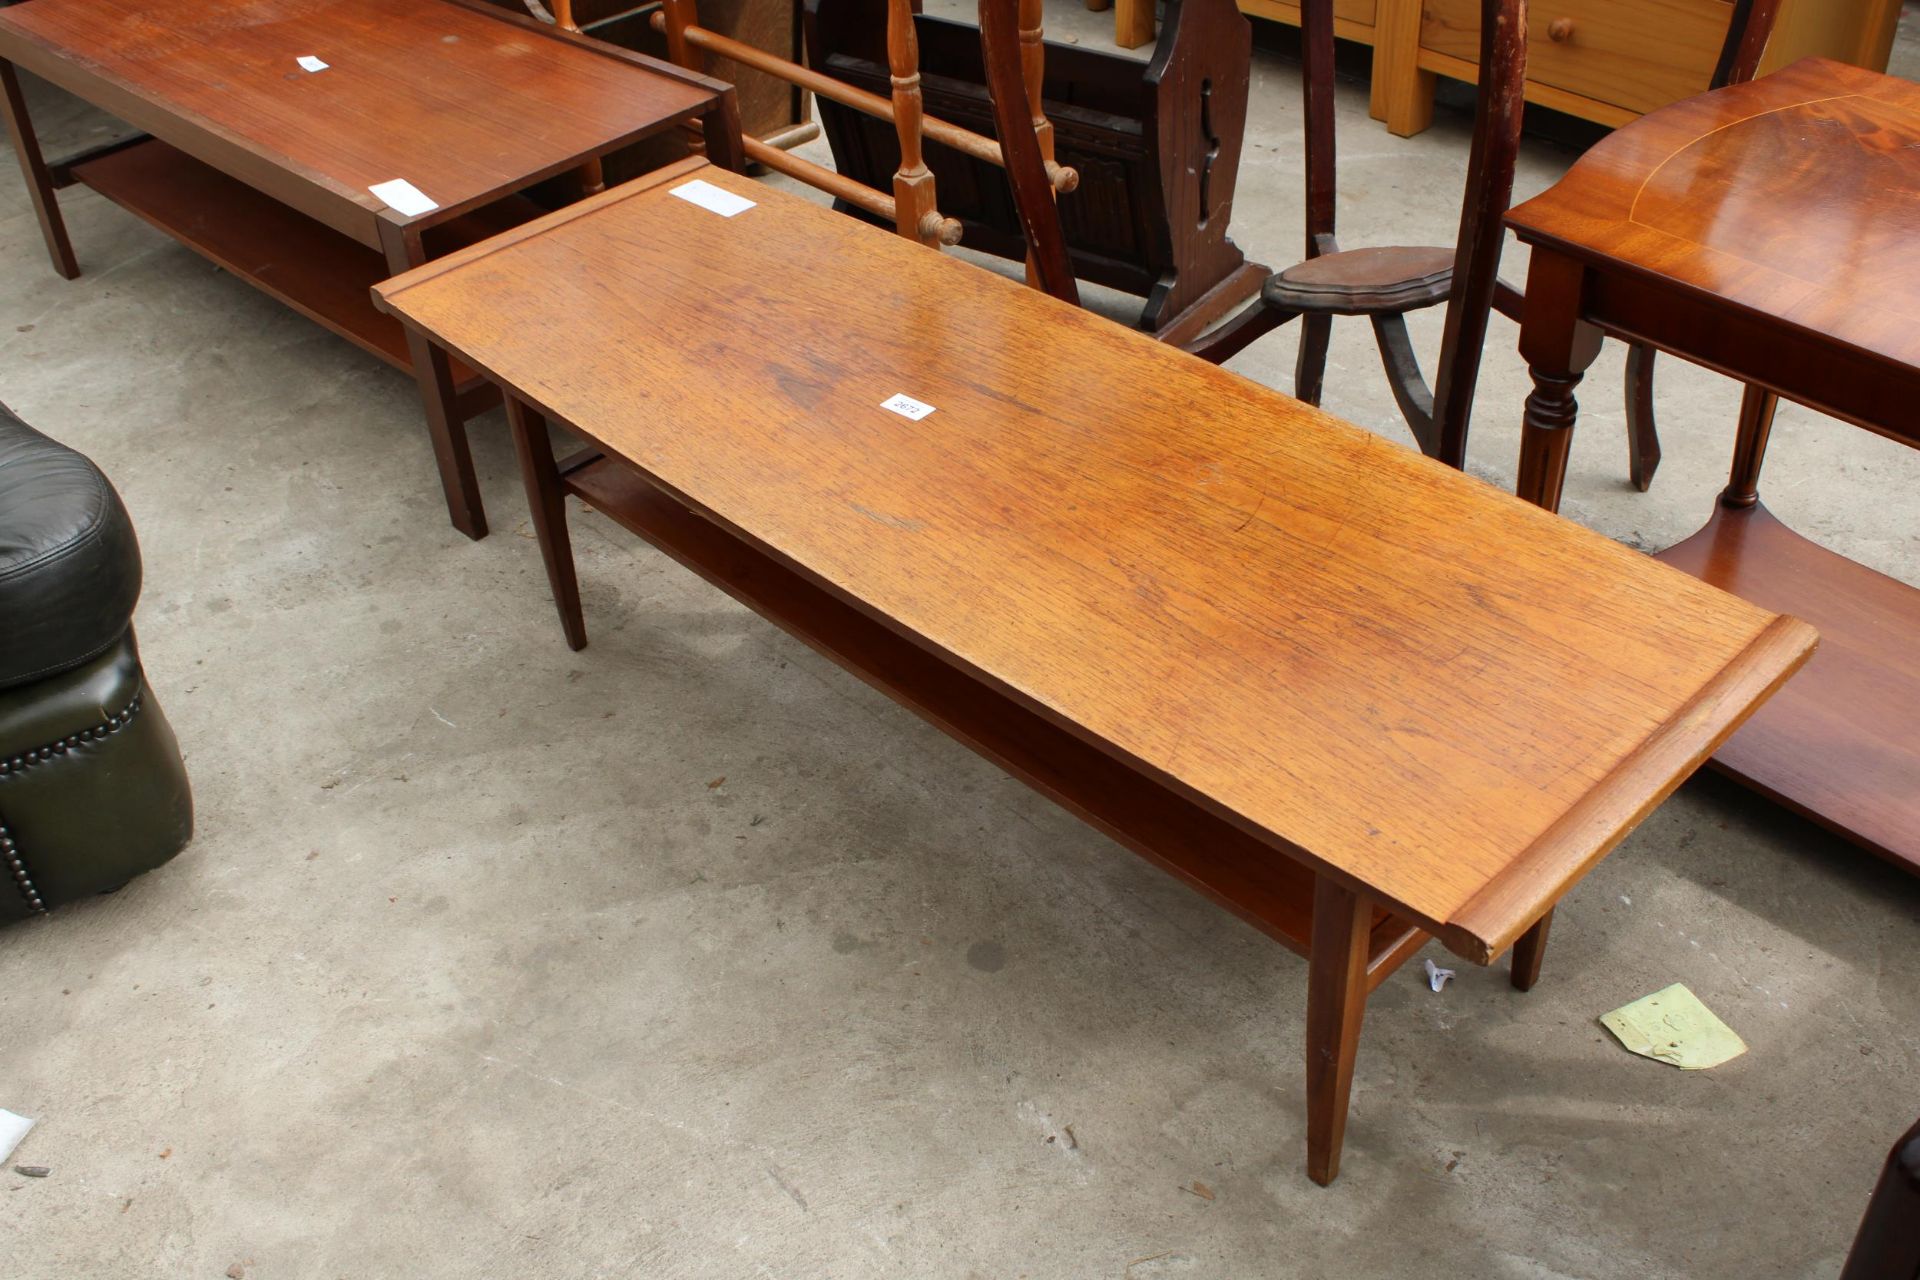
403	197
310	63
906	406
711	198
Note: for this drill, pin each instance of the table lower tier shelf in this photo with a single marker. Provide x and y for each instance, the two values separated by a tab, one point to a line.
1838	742
1269	890
307	265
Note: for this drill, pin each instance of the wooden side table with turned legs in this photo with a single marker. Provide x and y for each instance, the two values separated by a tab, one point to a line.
1766	231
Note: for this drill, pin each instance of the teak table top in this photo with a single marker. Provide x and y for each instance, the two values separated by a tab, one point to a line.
457	101
1418	685
1795	197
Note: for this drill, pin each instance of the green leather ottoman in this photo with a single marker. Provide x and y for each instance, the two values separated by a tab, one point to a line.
92	788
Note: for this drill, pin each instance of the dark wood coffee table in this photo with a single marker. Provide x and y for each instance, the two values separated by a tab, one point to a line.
1354	695
264	167
1766	231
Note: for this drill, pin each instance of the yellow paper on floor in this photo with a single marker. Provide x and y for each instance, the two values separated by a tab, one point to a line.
1672	1026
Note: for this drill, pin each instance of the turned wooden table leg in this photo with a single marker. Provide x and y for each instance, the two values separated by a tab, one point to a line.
1547	437
1558	347
547	501
438	397
1336	1000
1757	407
1529	951
26	145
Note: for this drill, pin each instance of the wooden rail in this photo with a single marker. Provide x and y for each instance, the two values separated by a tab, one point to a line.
1064	179
912	207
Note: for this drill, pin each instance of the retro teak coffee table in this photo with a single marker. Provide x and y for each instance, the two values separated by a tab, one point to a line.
1357	697
264	165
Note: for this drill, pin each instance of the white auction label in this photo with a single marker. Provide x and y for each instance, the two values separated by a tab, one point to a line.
714	199
403	197
310	63
906	406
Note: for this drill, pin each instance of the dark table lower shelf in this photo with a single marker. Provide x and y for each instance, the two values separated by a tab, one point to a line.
1838	743
307	265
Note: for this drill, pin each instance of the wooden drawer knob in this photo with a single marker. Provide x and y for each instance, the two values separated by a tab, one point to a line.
1560	30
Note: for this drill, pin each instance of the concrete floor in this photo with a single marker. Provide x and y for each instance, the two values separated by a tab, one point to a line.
689	955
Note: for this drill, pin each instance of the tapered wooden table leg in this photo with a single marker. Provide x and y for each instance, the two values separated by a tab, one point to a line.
1336	1000
451	452
548	503
46	205
1529	951
434	372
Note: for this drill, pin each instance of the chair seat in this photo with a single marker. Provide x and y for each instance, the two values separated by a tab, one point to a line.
1363	282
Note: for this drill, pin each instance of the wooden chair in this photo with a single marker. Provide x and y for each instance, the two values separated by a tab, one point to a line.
1384	284
1157	144
1014	41
1747	34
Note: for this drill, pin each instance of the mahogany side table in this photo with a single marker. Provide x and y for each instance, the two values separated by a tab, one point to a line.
1767	231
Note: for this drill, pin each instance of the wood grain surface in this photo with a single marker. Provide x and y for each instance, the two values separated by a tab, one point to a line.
456	101
1411	682
1795	196
1837	744
1634	54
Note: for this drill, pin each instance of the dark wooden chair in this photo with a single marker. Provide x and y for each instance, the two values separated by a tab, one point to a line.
1156	144
1384	284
